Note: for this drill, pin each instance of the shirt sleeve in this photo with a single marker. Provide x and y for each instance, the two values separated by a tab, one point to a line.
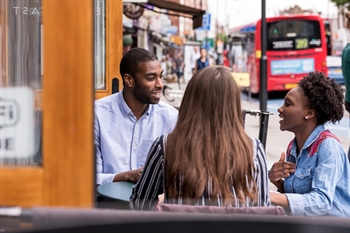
262	180
145	192
101	178
328	171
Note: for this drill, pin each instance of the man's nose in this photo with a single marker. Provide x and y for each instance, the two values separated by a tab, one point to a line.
159	82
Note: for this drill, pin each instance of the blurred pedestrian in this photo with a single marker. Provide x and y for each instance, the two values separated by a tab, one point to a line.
202	61
169	69
195	54
315	179
208	160
179	67
346	70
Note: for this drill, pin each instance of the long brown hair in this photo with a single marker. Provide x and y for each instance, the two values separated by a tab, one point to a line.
209	145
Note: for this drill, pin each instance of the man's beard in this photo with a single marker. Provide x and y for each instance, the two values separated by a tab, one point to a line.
142	96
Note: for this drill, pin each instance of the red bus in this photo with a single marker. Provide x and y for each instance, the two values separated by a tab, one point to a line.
296	45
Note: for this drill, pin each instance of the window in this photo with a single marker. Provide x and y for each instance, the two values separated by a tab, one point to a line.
293	35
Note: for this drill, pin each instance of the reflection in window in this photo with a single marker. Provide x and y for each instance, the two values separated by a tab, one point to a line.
21	82
100	45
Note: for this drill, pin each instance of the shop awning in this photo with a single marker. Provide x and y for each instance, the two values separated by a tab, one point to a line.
179	9
247	28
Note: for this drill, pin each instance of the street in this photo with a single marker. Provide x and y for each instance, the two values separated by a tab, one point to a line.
277	140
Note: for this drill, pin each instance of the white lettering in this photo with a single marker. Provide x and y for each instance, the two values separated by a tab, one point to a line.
315	42
16	8
34	11
282	44
25	10
29	11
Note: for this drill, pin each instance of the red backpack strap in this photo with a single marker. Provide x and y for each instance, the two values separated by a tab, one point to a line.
321	137
289	148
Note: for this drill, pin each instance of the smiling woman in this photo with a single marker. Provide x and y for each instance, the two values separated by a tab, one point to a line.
315	178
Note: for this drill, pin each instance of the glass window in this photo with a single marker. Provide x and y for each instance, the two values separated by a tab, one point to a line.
293	35
100	45
21	82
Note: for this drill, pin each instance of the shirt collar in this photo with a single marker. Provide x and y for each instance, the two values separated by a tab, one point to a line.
313	136
124	108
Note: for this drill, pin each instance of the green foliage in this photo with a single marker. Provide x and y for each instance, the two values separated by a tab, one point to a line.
223	37
339	3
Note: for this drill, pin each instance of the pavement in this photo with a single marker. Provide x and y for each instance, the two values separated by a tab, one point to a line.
277	140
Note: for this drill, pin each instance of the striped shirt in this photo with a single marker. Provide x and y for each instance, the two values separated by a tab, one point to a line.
151	184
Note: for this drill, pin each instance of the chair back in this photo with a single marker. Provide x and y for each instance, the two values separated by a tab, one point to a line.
258	210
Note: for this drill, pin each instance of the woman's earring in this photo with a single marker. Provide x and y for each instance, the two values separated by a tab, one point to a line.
306	117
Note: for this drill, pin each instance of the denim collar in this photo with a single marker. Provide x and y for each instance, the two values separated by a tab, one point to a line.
311	139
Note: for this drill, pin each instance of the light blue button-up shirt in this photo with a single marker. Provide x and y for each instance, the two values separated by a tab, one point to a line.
122	142
321	182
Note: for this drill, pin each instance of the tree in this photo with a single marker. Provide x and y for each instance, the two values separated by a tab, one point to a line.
341	3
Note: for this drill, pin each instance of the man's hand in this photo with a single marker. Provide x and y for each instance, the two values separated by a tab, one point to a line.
132	176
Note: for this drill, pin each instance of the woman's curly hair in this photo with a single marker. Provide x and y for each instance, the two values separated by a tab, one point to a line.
325	96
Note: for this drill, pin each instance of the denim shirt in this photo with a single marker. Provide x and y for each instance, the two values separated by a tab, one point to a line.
122	141
321	182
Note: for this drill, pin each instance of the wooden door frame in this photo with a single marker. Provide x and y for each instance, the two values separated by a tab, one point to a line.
67	176
114	45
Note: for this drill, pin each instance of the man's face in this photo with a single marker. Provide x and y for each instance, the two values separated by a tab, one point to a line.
148	82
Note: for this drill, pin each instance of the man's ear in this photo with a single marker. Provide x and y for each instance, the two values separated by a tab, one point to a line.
128	80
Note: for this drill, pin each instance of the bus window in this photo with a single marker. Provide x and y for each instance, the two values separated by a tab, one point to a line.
293	35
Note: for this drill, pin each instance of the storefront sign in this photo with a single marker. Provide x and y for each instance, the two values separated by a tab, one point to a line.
132	11
16	123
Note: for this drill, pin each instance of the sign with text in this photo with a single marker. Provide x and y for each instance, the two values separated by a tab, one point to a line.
205	23
16	123
292	66
242	79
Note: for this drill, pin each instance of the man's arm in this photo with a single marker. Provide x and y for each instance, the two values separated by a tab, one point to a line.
101	178
132	176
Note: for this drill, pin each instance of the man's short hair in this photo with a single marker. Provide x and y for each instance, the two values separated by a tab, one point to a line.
131	59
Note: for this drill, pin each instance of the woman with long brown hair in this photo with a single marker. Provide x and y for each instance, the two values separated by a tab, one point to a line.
208	159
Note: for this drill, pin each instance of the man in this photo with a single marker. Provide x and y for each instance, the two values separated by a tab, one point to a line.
127	123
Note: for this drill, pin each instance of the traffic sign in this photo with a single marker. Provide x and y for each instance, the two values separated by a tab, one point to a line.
205	23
